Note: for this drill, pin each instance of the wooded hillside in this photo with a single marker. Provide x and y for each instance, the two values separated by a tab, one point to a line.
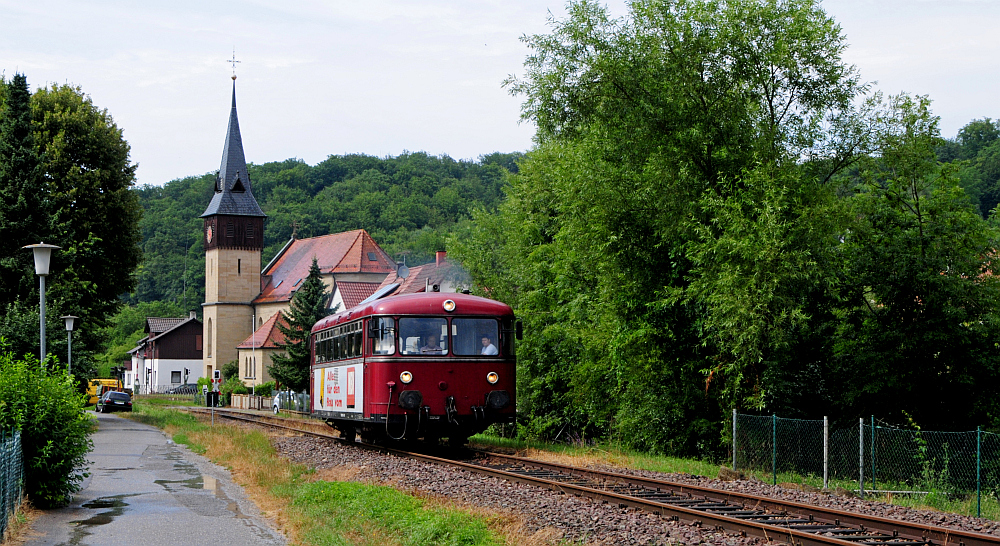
408	203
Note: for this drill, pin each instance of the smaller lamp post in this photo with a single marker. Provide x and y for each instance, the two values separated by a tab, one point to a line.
70	322
43	254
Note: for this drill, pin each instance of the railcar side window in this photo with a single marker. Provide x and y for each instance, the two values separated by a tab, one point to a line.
475	336
423	336
383	336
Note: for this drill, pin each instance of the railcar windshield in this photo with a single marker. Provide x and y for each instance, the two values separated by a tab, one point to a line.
474	336
423	336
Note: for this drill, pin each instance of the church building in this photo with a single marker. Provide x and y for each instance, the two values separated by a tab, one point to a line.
244	303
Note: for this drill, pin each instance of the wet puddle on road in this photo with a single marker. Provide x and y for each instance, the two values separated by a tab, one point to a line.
115	507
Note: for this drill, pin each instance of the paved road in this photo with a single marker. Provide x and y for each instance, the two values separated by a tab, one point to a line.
144	489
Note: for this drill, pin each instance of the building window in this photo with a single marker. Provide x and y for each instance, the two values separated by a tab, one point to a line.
209	334
175	377
239	267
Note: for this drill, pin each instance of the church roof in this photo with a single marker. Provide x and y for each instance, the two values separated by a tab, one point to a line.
268	336
347	252
233	194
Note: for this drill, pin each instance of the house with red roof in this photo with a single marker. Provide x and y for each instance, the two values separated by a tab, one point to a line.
438	276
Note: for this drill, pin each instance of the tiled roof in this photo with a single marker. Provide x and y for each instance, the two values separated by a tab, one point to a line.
354	292
422	275
233	194
348	252
157	325
268	336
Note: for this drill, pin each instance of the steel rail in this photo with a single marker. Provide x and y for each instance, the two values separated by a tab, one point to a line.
902	529
796	523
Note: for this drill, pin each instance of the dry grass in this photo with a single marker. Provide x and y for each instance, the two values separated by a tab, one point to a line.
19	530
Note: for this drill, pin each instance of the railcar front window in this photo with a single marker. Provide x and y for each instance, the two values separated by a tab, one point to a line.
383	336
475	336
423	336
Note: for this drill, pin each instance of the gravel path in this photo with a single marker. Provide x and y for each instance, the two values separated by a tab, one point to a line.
549	514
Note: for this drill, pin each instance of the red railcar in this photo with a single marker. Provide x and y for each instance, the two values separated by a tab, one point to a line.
426	365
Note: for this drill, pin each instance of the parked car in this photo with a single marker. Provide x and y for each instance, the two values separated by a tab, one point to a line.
183	389
114	401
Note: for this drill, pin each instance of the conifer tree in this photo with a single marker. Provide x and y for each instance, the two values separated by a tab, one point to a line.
291	370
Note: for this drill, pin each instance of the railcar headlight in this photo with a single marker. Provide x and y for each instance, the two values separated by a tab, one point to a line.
492	377
449	305
406	377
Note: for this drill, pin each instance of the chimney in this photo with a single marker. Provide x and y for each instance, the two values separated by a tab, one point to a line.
440	256
193	315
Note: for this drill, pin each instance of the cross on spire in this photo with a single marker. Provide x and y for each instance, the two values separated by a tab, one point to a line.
233	62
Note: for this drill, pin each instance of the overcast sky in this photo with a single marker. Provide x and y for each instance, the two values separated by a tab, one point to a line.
380	77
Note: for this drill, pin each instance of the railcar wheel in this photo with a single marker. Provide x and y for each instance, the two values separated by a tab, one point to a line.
349	433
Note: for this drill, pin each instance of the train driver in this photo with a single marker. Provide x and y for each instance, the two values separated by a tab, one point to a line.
432	347
488	347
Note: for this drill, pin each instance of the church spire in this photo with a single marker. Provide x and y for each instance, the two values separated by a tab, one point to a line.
233	193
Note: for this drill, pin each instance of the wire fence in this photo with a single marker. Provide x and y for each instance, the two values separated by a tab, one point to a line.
880	459
11	477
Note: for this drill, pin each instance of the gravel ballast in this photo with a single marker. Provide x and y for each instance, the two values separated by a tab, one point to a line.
571	518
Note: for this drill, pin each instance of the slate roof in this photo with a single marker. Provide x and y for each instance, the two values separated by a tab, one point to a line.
354	292
157	325
347	252
233	194
268	336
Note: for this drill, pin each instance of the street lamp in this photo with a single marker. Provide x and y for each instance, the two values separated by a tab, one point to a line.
70	320
43	253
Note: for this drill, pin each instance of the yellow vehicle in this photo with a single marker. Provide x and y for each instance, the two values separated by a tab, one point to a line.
100	386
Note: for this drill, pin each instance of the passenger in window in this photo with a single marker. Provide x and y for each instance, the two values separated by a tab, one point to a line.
432	347
488	347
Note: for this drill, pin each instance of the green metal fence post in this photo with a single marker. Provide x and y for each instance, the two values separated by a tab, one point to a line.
873	453
774	447
734	439
861	456
979	444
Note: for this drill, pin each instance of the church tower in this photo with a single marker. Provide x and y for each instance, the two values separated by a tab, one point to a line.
234	239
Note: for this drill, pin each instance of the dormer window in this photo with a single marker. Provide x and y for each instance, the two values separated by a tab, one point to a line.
238	185
372	257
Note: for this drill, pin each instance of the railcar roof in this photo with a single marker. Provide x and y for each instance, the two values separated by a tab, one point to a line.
423	303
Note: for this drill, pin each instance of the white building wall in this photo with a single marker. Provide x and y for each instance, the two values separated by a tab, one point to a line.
161	372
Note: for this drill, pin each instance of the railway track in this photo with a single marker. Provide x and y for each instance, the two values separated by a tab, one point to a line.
770	519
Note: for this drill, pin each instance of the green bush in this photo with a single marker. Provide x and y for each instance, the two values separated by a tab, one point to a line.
264	389
55	432
230	370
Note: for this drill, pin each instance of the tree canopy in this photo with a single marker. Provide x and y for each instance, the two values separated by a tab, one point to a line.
65	179
719	214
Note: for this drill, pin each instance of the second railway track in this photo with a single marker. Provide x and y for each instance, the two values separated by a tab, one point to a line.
739	513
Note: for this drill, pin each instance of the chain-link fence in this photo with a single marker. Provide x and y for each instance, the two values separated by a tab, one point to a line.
11	477
879	459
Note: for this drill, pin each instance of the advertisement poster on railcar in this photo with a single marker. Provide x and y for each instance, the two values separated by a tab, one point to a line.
339	389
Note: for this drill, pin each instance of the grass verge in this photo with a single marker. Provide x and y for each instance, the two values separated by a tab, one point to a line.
311	510
19	528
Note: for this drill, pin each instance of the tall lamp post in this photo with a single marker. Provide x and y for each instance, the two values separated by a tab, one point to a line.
43	253
70	322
